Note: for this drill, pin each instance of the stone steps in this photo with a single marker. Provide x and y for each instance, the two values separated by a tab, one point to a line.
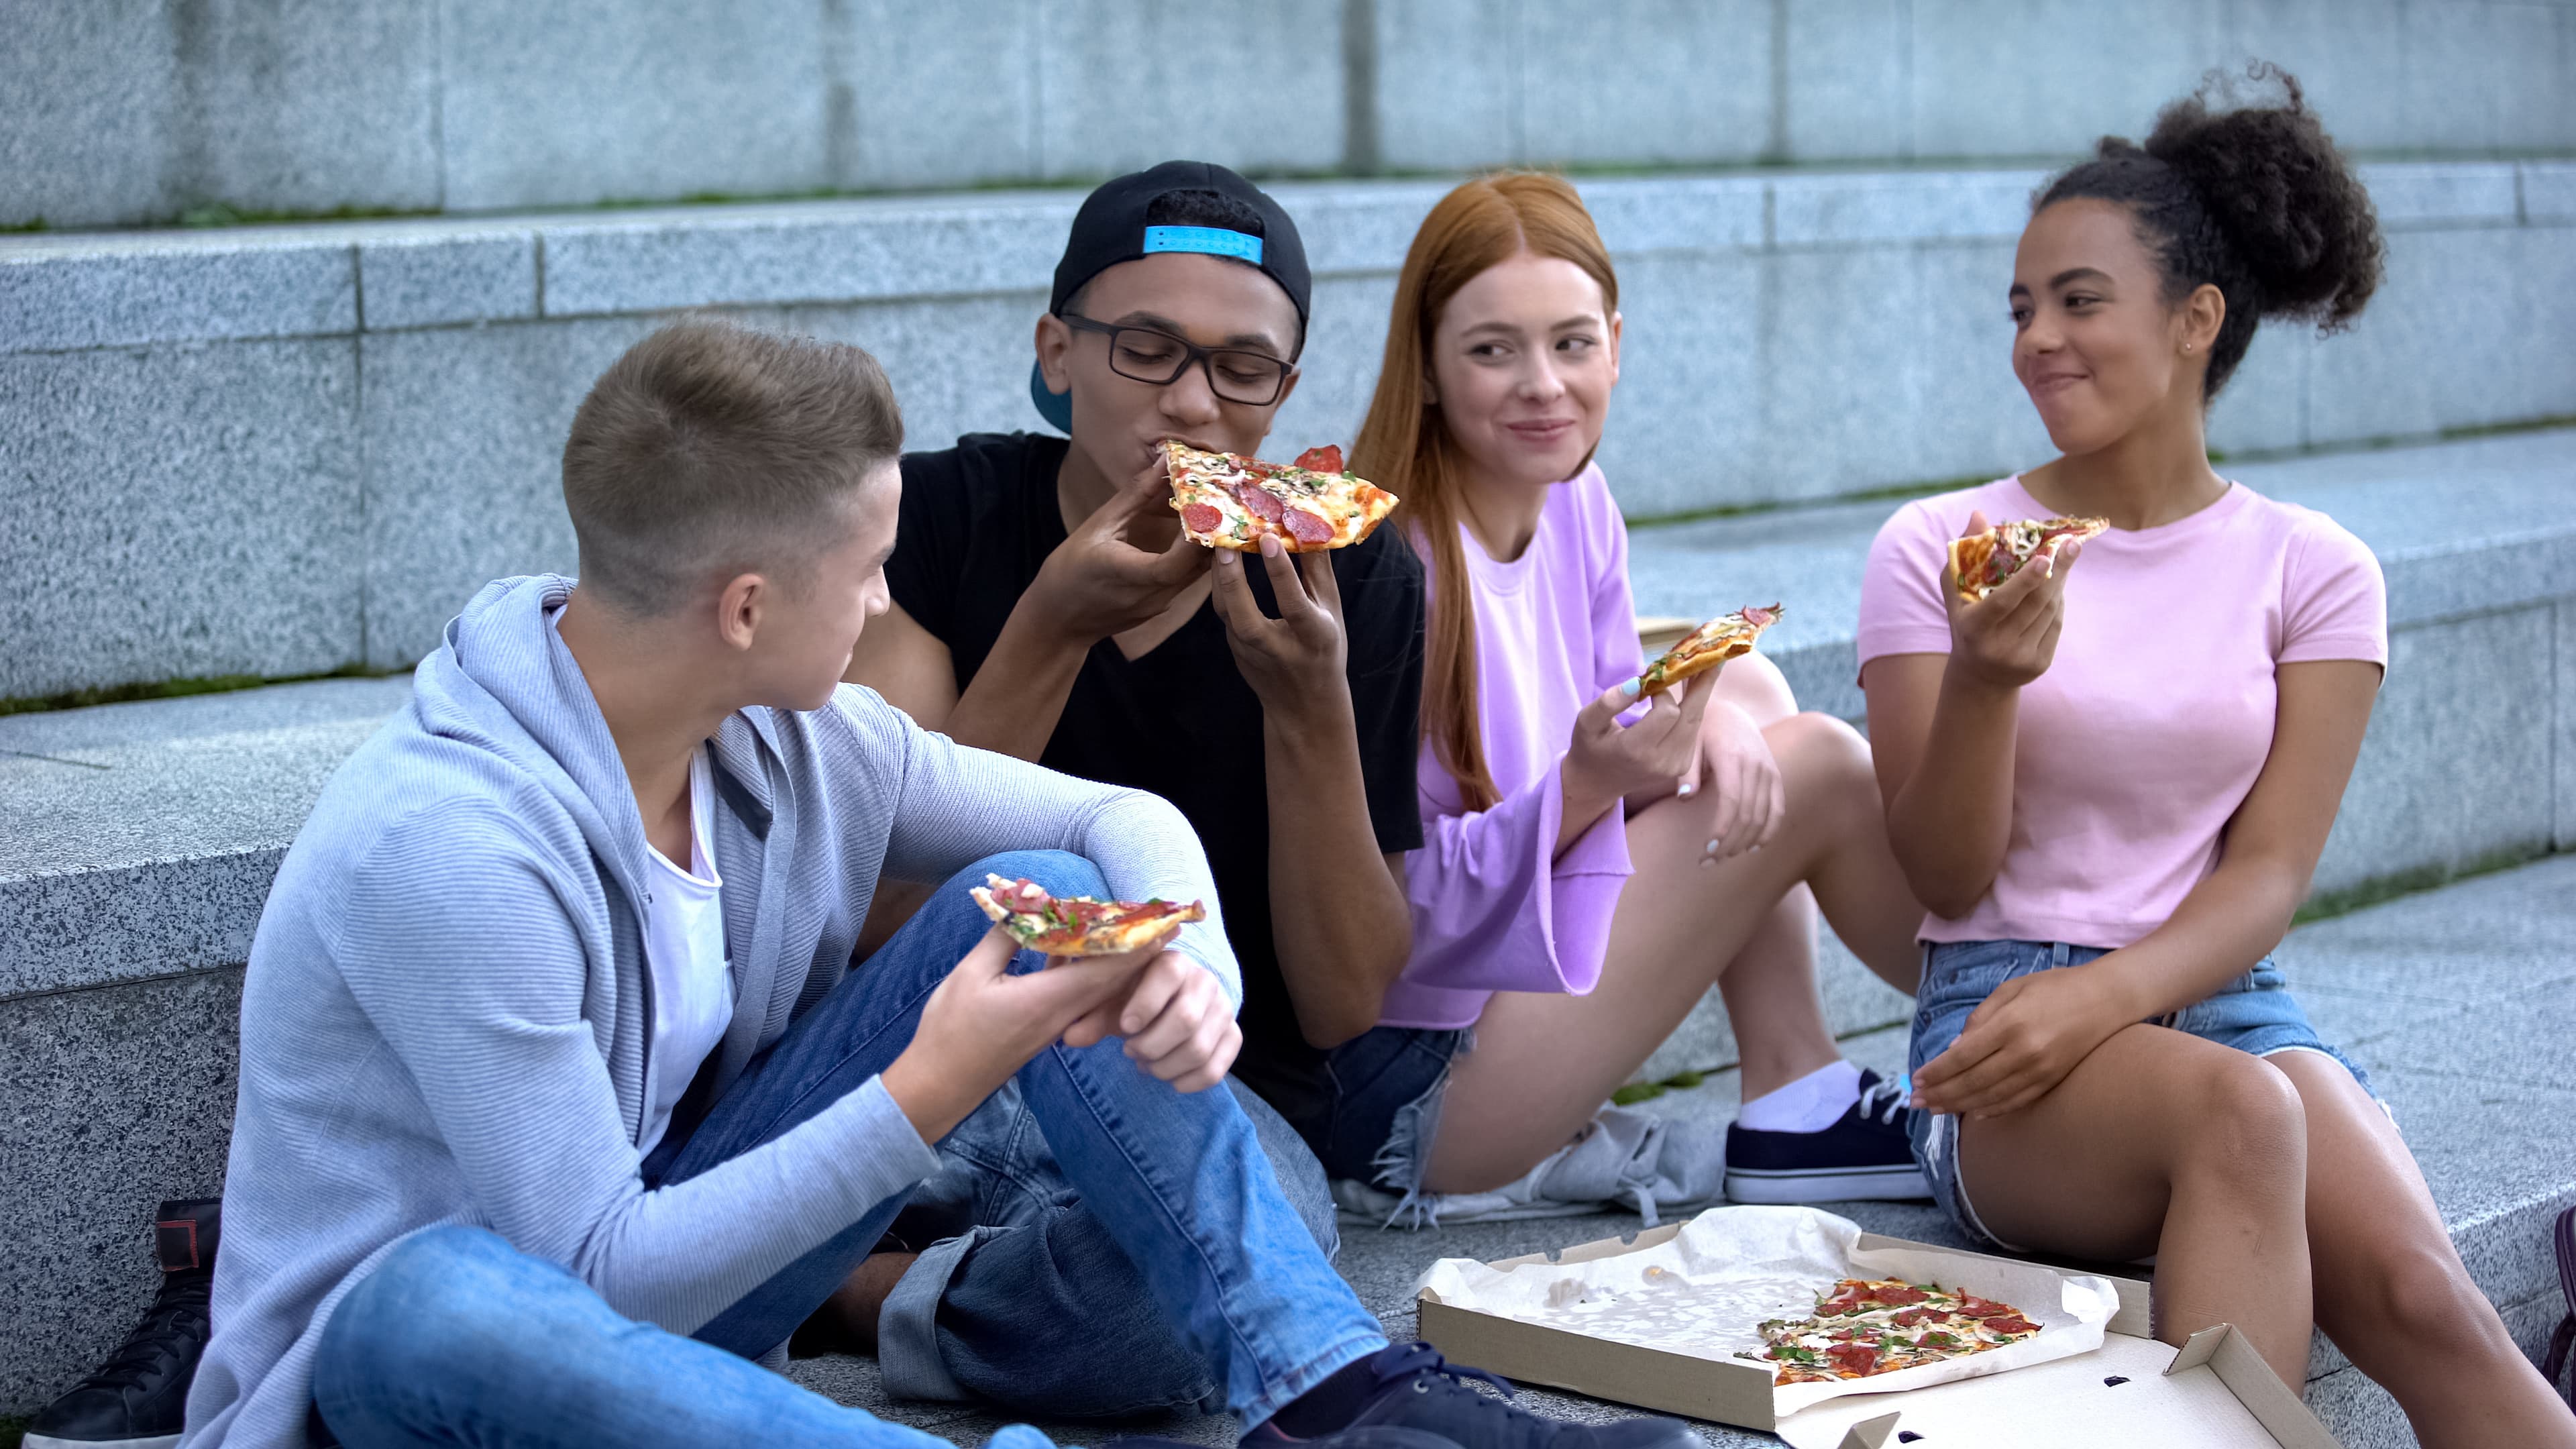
141	838
282	450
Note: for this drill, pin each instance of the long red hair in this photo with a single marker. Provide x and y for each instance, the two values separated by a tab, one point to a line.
1405	446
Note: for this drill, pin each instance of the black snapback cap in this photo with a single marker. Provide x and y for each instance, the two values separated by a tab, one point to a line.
1113	227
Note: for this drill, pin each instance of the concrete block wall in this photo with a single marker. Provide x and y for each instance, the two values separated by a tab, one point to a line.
284	450
135	111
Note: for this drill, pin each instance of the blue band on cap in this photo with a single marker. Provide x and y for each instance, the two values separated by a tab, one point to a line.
1214	240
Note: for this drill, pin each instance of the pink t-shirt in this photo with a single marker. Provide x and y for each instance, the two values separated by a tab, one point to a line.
1495	908
2155	717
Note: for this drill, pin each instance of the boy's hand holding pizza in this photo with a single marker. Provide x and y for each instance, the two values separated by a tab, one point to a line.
982	1024
1296	660
1100	582
2008	638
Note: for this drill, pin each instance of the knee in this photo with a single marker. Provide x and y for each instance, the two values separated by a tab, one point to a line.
2423	1298
1825	762
1062	872
421	1309
2243	1120
1755	685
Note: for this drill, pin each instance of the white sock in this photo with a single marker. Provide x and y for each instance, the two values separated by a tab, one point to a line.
1809	1104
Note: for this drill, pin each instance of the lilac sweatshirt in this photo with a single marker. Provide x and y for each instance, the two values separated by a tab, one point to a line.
1494	907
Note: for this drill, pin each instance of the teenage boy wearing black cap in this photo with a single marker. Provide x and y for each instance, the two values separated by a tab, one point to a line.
1047	605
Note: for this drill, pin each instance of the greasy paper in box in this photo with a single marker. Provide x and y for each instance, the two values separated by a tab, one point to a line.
1703	1291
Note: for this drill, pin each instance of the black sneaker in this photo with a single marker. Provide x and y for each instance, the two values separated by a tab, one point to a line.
1417	1390
138	1398
1863	1156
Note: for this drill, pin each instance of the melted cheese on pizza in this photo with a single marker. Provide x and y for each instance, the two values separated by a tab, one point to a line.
1229	501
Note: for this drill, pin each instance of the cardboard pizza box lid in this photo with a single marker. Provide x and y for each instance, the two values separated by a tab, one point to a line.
2214	1390
1657	632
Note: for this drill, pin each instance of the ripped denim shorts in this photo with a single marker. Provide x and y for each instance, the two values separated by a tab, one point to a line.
1379	1105
2254	1013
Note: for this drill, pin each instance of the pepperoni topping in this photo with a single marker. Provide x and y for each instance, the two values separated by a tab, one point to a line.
1263	504
1907	1318
1972	1306
1762	619
1202	518
1854	1358
1308	527
2010	1323
1326	459
1899	1297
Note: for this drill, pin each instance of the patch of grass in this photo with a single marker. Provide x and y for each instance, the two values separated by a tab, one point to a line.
2381	889
31	224
1896	492
173	689
12	1431
1635	1092
222	213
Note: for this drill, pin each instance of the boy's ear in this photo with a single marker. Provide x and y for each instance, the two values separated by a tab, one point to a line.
740	608
1055	344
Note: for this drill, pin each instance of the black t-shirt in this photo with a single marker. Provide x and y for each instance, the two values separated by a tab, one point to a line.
979	519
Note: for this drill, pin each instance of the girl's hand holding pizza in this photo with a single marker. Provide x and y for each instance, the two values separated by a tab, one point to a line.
2021	1041
2008	638
1608	762
1735	761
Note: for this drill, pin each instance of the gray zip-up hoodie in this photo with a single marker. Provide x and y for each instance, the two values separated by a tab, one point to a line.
447	1014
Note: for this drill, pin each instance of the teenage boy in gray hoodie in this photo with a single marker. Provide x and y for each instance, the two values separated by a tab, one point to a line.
560	1102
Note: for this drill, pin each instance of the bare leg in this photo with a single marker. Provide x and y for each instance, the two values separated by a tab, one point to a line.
2163	1142
2391	1290
1544	1062
1770	993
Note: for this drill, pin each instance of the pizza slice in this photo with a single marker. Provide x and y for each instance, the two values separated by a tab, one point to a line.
1982	561
1707	647
1078	925
1866	1327
1229	501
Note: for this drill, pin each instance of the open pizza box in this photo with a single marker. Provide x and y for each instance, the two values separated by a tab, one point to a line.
1524	1318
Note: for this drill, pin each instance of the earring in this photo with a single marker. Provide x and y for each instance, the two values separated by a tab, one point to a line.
2186	349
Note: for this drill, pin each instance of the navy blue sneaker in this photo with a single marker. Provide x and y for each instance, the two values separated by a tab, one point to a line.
1416	1390
1863	1156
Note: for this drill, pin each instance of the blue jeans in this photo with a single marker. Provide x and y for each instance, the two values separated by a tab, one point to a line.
1170	1233
2254	1013
459	1338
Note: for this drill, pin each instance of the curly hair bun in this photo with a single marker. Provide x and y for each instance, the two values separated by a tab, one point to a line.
2277	185
2252	199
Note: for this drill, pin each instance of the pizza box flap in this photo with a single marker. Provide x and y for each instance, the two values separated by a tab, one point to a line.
2217	1376
2215	1391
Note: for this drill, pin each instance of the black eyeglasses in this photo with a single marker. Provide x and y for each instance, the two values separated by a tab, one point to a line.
1149	354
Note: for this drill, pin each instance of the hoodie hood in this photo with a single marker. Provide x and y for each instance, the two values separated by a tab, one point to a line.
502	680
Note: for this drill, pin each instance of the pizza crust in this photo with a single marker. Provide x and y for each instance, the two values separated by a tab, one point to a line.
1229	501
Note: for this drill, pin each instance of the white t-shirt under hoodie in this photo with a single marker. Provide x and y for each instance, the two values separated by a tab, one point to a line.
684	947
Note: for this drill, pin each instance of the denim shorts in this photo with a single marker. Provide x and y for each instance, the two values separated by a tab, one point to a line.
1379	1105
2254	1013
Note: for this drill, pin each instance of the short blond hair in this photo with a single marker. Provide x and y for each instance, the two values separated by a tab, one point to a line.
712	447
